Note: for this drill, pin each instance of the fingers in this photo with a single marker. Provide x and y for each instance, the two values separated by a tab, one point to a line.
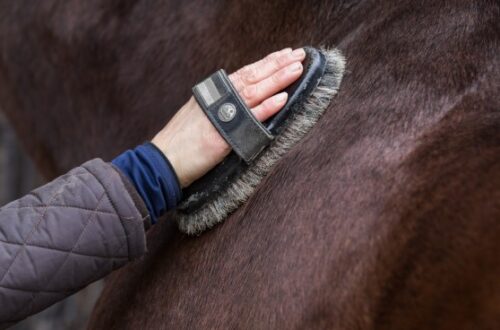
260	70
270	106
256	93
258	82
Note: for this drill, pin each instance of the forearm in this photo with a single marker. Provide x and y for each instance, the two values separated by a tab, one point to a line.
65	235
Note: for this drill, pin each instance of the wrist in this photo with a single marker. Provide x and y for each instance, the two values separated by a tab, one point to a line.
175	160
191	144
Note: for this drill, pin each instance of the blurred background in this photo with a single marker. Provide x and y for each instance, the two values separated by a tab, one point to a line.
18	176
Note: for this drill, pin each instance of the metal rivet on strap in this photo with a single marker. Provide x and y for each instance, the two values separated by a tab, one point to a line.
226	112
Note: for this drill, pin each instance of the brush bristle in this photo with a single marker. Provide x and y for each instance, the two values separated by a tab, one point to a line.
297	126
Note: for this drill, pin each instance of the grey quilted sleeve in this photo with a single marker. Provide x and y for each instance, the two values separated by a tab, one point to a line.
65	235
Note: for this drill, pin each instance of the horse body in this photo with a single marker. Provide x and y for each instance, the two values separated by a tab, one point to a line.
384	216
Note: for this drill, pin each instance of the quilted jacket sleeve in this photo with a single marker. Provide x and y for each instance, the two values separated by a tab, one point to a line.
65	235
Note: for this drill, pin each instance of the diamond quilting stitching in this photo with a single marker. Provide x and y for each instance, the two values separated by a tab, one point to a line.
33	230
61	250
46	211
88	221
42	206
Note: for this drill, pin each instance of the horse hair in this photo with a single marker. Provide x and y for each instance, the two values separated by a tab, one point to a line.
384	215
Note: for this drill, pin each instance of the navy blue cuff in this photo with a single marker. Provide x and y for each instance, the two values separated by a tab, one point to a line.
153	177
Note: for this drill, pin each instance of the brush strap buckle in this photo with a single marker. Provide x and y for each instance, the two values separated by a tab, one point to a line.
229	114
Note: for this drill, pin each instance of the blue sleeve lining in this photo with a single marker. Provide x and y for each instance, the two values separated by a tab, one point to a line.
153	177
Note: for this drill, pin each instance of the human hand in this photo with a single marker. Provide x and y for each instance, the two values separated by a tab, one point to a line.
190	141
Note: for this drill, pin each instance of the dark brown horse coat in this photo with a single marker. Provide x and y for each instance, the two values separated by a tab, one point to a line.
385	216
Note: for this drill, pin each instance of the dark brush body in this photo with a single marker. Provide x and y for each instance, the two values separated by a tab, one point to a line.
385	216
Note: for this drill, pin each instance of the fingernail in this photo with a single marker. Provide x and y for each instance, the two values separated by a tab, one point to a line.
295	67
286	50
280	98
299	53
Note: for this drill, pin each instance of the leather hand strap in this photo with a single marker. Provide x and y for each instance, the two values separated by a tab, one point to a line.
231	117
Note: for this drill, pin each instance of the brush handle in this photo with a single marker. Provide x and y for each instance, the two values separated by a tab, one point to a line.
229	114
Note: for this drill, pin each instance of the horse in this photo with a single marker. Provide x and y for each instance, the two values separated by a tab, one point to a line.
385	216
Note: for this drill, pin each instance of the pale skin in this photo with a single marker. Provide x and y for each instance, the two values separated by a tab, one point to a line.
192	144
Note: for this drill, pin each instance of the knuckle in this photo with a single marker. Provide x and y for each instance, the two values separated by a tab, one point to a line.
249	92
236	75
276	64
275	79
271	58
249	73
237	80
239	75
282	60
244	70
